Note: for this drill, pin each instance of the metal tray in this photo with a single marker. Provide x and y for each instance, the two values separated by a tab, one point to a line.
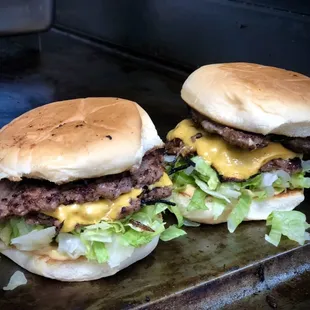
209	268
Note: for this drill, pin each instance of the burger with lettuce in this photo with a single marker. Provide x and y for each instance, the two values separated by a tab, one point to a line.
82	188
239	157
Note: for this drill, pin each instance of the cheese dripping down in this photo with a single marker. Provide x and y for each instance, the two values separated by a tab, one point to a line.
104	209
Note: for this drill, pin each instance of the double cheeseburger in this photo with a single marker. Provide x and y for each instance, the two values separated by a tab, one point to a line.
79	184
239	155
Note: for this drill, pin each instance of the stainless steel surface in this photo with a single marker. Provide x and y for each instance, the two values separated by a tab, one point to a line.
209	268
25	16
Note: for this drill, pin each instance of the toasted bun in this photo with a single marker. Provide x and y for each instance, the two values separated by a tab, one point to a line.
259	210
251	97
72	270
76	139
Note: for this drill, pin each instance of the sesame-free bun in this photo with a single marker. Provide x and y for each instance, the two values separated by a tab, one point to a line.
76	139
251	97
259	210
72	270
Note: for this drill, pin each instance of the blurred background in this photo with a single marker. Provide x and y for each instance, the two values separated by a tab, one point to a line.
193	33
138	49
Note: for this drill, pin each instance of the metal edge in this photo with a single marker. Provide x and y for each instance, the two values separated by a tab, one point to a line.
238	284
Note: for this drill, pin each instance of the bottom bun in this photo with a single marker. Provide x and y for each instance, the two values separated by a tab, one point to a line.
73	270
259	210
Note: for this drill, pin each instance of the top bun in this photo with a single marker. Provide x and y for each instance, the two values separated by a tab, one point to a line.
76	139
251	97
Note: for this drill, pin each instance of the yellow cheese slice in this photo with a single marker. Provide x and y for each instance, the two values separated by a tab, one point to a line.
228	160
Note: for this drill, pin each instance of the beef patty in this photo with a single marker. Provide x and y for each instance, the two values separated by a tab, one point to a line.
239	138
247	140
289	165
31	196
159	193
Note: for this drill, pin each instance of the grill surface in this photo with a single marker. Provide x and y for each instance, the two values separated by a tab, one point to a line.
209	268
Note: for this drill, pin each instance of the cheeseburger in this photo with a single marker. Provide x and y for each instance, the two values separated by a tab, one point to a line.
239	156
80	180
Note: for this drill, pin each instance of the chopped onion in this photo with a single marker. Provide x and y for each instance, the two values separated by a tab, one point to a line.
270	191
283	175
305	164
189	170
268	179
71	245
35	240
229	193
169	158
17	279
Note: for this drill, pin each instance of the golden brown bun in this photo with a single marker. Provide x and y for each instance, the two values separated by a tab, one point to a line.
72	270
251	97
259	210
76	139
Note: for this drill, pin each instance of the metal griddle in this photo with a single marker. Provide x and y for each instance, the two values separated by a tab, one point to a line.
209	268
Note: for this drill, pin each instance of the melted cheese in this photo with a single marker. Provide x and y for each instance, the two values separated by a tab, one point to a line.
93	212
52	252
162	182
228	160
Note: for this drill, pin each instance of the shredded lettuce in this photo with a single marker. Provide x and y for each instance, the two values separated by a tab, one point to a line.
253	183
198	201
217	206
181	180
34	240
239	212
291	224
206	172
106	241
97	251
5	234
137	239
176	211
172	232
204	187
208	193
20	227
17	279
230	190
298	180
161	207
71	245
99	235
118	251
189	223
